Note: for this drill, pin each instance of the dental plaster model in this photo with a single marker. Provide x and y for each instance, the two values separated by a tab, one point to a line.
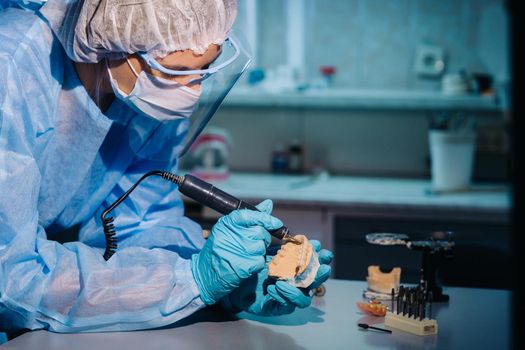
383	282
295	263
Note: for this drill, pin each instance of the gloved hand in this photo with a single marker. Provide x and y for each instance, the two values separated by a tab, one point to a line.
233	252
260	296
301	297
257	295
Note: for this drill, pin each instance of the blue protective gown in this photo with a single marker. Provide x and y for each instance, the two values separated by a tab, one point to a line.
62	161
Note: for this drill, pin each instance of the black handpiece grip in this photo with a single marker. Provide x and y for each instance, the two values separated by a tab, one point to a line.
216	199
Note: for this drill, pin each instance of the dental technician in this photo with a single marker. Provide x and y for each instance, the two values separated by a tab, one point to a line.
94	94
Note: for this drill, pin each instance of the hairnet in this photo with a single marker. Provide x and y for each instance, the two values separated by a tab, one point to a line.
90	30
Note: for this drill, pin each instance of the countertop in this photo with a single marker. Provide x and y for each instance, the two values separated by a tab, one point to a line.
345	191
472	319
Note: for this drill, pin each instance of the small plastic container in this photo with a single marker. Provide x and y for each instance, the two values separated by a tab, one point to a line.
279	160
295	157
328	73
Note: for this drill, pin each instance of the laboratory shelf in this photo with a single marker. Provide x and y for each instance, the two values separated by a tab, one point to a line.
348	191
361	99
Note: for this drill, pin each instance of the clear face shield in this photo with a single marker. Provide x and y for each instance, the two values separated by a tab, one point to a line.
215	82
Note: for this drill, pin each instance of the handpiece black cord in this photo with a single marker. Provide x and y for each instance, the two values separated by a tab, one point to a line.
107	223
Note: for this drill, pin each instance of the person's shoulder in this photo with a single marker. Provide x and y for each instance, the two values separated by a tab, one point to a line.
22	31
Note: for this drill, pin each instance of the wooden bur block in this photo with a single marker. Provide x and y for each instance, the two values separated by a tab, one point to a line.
409	324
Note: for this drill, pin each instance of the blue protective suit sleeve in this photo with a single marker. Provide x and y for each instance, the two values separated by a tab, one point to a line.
151	217
70	287
31	5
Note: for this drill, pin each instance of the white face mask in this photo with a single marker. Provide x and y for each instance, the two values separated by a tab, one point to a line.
159	98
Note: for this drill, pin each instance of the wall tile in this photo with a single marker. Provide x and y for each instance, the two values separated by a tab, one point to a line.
333	38
386	54
372	42
372	45
272	33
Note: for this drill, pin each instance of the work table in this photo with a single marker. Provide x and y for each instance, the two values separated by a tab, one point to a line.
472	319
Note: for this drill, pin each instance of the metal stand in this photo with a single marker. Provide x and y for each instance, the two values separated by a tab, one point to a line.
435	249
429	266
434	252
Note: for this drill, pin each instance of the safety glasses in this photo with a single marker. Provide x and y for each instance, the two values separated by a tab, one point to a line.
203	73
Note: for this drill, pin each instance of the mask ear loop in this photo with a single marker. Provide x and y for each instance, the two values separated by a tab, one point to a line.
132	68
114	82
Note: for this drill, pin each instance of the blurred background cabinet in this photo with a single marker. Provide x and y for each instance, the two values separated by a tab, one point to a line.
481	257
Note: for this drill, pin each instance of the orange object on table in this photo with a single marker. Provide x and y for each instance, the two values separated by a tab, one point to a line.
374	308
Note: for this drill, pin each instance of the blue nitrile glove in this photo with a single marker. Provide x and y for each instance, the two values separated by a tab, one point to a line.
260	296
233	252
257	295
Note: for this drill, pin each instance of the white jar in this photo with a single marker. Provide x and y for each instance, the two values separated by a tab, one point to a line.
454	84
452	158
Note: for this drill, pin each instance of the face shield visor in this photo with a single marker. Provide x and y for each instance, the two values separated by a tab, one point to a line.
215	82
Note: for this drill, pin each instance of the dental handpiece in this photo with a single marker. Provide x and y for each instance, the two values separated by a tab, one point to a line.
220	201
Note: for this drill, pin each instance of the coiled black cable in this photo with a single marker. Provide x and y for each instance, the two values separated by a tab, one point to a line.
107	222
